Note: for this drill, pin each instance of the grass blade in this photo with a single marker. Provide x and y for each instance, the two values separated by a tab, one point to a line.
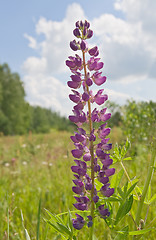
38	220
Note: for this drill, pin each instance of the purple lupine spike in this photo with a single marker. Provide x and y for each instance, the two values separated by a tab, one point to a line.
91	147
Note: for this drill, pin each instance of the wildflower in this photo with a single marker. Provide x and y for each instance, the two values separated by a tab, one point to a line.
87	154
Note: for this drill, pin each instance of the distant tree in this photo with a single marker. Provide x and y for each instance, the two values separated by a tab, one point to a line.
13	107
17	116
139	120
115	110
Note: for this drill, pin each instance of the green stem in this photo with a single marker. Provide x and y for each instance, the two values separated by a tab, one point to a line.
145	189
126	173
91	152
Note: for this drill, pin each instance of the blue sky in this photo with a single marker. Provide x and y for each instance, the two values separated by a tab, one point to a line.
35	37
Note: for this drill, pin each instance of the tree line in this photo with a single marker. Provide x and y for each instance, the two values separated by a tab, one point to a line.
17	116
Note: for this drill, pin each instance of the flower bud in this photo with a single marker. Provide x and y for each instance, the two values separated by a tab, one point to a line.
73	45
76	32
83	45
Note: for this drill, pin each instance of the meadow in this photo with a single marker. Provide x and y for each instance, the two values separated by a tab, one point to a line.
35	174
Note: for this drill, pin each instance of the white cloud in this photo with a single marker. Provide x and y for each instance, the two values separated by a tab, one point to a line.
48	92
32	41
127	46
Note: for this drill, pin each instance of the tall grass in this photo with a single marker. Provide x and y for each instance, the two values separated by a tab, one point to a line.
35	175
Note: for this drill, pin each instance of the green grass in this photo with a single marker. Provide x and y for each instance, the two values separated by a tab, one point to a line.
35	175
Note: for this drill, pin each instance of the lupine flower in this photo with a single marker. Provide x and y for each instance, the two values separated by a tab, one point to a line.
87	154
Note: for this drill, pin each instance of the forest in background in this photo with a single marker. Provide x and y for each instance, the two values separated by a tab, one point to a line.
18	117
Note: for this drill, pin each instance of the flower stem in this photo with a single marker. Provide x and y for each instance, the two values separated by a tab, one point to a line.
147	183
126	173
91	152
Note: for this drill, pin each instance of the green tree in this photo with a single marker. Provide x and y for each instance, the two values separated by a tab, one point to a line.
13	107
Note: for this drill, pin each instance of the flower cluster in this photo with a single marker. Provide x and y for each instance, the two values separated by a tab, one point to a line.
92	160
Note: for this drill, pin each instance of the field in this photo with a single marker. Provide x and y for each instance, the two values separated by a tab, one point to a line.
36	168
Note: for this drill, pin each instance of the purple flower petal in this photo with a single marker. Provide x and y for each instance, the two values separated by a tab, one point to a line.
73	46
99	81
76	32
80	206
74	98
109	172
83	45
93	50
72	84
76	78
77	153
77	190
109	192
87	157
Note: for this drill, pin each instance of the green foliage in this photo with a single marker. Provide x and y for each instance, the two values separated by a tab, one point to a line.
115	110
139	121
17	116
13	108
42	171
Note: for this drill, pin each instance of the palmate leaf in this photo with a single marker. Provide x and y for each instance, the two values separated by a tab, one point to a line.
70	224
54	217
124	208
64	229
59	226
131	189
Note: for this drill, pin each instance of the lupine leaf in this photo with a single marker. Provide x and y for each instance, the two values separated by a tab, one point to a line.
123	234
53	225
64	229
70	224
123	151
152	199
131	189
127	159
113	199
139	232
124	209
128	144
57	228
54	217
121	193
125	188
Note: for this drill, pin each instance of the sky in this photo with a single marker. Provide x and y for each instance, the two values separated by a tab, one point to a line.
35	36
